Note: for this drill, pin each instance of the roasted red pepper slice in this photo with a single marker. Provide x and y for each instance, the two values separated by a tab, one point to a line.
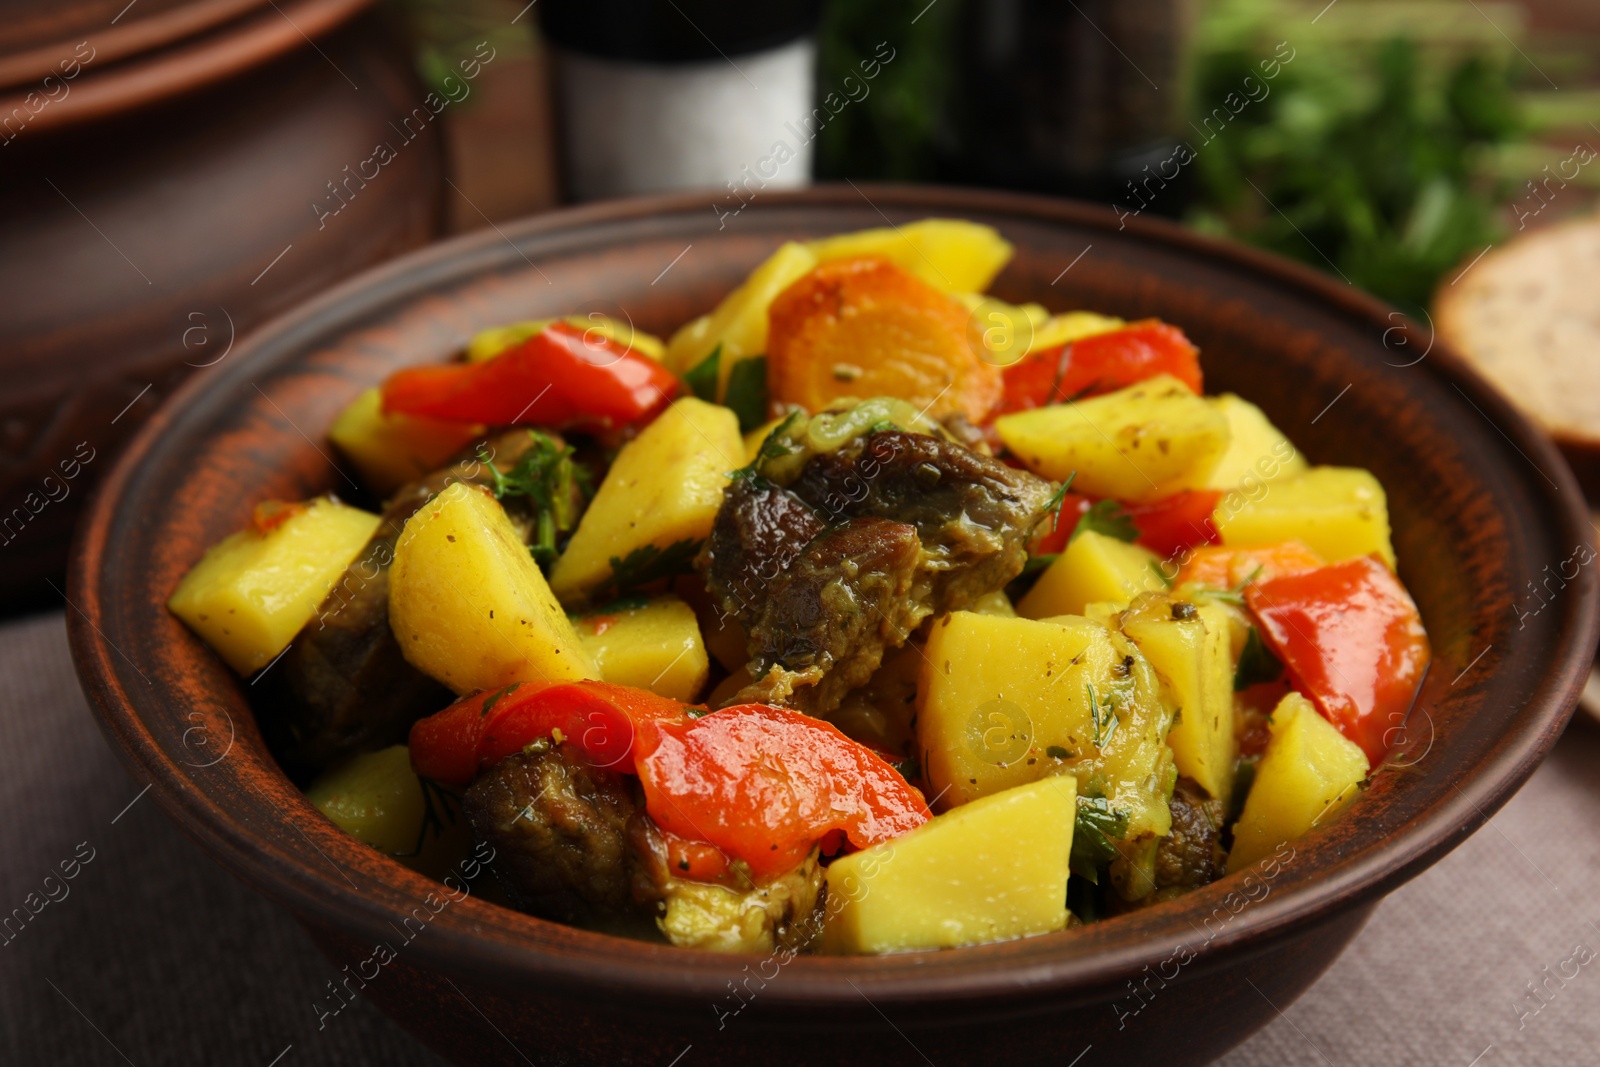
1054	539
767	784
562	377
1176	523
1353	641
1167	526
598	718
1100	363
761	784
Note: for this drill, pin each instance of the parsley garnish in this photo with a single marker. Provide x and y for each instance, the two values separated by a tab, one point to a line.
648	563
546	475
747	392
1256	663
772	446
1105	718
1096	825
1161	574
1109	518
703	377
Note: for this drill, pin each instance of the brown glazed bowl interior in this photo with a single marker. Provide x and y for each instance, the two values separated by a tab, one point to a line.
1483	509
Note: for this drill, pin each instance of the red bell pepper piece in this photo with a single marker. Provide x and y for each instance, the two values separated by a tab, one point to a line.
1100	363
562	377
478	731
757	783
1176	523
767	784
1351	637
1166	526
1054	539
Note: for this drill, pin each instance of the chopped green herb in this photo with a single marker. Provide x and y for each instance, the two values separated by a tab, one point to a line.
1109	518
1036	564
881	425
772	447
1256	663
494	697
696	713
648	563
1097	824
547	477
704	376
1053	506
1161	573
1057	752
747	392
1104	717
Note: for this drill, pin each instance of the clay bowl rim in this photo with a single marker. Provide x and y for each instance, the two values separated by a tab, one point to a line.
1086	965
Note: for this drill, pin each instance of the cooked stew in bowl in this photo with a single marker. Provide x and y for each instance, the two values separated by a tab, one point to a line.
866	614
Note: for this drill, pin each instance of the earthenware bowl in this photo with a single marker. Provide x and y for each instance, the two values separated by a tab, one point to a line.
1484	511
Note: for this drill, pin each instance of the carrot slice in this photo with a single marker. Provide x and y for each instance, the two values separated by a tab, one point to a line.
864	327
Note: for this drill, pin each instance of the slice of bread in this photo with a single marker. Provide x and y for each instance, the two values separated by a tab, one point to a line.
1527	315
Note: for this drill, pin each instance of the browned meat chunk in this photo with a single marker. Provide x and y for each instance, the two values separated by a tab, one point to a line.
759	531
1191	855
560	831
915	526
826	620
973	513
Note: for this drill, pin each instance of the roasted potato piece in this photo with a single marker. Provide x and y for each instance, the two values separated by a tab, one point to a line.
1258	452
1137	444
663	489
1338	512
377	797
1308	773
653	645
991	870
392	449
254	590
739	323
1190	646
1093	568
1002	702
950	254
469	606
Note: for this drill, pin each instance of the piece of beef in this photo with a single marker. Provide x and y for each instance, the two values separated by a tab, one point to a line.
561	835
822	629
758	532
973	513
1190	855
900	526
344	686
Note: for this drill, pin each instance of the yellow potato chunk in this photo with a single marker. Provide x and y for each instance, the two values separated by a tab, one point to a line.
468	604
391	450
739	323
252	592
486	344
949	254
664	488
992	870
1190	646
654	646
1002	702
1258	452
1072	326
1094	567
1337	512
378	798
1137	444
1307	774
